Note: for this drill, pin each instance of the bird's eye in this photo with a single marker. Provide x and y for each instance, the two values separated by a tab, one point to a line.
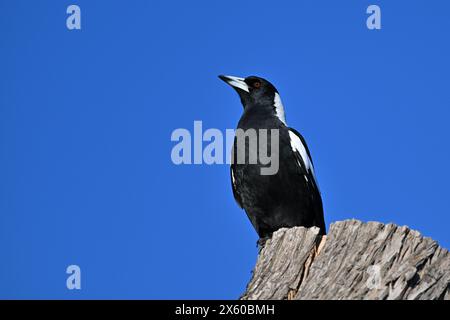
257	84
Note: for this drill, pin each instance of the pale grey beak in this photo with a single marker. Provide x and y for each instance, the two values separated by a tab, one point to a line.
235	82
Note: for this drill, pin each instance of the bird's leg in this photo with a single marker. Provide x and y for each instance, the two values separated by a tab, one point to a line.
261	243
318	248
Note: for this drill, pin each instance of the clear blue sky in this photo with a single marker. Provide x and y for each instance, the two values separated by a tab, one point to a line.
86	116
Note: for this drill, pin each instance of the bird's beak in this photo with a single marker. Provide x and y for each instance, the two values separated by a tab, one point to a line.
235	82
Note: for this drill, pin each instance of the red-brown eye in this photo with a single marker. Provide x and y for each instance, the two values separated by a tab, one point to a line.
257	84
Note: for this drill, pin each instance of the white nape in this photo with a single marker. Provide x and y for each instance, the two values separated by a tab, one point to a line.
279	108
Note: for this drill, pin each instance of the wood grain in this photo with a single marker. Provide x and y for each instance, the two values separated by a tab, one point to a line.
354	261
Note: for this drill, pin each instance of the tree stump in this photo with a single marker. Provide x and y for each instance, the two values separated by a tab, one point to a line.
355	260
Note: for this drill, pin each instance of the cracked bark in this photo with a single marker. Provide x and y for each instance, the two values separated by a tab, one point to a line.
354	261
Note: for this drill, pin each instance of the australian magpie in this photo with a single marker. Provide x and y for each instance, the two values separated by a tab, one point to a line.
290	197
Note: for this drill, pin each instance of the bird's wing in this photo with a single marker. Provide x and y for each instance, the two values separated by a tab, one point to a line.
303	156
236	194
306	168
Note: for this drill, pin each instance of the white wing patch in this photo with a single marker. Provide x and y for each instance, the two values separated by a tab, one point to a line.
297	146
279	108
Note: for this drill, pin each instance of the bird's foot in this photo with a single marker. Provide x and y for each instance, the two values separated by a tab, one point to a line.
261	243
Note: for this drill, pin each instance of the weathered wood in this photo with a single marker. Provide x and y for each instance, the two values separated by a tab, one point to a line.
354	261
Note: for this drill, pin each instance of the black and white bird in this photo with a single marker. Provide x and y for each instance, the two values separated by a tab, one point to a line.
289	198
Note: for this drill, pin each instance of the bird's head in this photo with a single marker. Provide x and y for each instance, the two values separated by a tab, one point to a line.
256	91
252	89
